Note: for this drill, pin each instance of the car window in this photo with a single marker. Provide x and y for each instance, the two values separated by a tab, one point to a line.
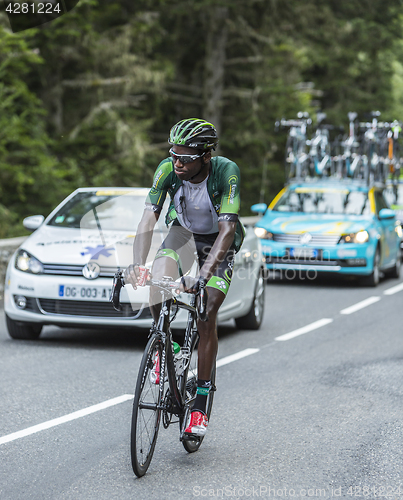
109	209
324	201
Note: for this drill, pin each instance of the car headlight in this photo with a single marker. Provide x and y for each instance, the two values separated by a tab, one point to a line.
263	234
24	261
360	237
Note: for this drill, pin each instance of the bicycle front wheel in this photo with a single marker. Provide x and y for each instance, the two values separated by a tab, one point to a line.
147	407
191	387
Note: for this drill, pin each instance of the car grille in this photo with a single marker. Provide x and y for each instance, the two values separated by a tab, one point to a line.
318	262
293	261
89	308
317	239
70	270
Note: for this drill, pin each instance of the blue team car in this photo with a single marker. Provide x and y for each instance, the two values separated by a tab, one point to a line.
336	226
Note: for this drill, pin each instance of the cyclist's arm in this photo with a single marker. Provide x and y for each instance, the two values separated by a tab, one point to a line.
226	233
154	203
141	246
142	241
227	219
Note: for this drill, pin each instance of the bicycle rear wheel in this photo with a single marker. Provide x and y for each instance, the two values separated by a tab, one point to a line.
146	407
190	386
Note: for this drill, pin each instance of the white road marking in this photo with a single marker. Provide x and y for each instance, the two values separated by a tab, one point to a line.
360	305
236	356
66	418
305	329
394	289
104	405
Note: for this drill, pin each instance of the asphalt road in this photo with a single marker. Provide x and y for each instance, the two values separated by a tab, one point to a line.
316	411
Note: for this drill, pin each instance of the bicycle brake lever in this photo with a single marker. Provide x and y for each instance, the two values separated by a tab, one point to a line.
117	285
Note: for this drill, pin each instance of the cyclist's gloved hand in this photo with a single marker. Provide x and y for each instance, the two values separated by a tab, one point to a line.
131	275
192	285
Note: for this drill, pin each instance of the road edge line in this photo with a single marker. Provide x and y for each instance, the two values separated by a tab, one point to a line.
66	418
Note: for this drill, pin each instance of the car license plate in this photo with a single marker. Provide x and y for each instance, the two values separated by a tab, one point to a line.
84	292
303	253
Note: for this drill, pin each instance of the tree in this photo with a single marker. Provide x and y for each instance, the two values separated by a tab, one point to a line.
28	173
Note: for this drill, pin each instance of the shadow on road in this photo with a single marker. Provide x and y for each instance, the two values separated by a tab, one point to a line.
319	281
79	338
111	339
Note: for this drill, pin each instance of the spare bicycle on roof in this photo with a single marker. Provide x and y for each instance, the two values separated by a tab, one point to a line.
370	152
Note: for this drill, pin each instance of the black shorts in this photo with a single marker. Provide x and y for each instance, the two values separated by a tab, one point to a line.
184	246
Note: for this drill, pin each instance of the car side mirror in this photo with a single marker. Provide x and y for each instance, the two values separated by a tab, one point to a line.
259	208
387	213
33	222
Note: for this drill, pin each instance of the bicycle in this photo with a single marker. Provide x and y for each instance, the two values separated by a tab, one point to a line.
372	145
296	158
352	160
319	152
394	159
164	388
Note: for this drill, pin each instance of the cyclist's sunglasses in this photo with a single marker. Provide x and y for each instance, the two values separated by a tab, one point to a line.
184	158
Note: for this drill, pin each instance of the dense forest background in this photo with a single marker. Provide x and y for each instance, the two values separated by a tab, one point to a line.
89	98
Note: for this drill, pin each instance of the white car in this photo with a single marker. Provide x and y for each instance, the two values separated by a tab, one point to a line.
62	274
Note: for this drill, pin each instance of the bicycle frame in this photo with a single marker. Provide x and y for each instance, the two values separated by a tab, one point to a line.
318	152
167	359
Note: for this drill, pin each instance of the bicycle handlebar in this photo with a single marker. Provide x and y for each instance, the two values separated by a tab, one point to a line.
292	123
165	284
377	125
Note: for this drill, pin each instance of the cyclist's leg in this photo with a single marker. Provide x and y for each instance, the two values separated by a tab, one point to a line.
208	344
217	288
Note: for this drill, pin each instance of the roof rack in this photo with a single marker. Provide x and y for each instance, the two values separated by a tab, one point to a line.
367	154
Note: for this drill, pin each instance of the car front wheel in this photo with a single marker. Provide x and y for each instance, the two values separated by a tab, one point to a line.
253	319
396	269
373	278
23	331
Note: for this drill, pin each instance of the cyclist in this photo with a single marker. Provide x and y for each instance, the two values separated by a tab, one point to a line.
204	192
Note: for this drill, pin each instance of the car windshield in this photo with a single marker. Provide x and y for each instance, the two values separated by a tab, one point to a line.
109	209
324	201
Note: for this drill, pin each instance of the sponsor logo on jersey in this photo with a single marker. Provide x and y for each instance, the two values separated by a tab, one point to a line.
231	195
222	284
157	178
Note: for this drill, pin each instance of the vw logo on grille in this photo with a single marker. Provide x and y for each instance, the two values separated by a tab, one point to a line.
91	270
305	238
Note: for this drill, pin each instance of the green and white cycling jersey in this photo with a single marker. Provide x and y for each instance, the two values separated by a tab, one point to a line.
222	187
